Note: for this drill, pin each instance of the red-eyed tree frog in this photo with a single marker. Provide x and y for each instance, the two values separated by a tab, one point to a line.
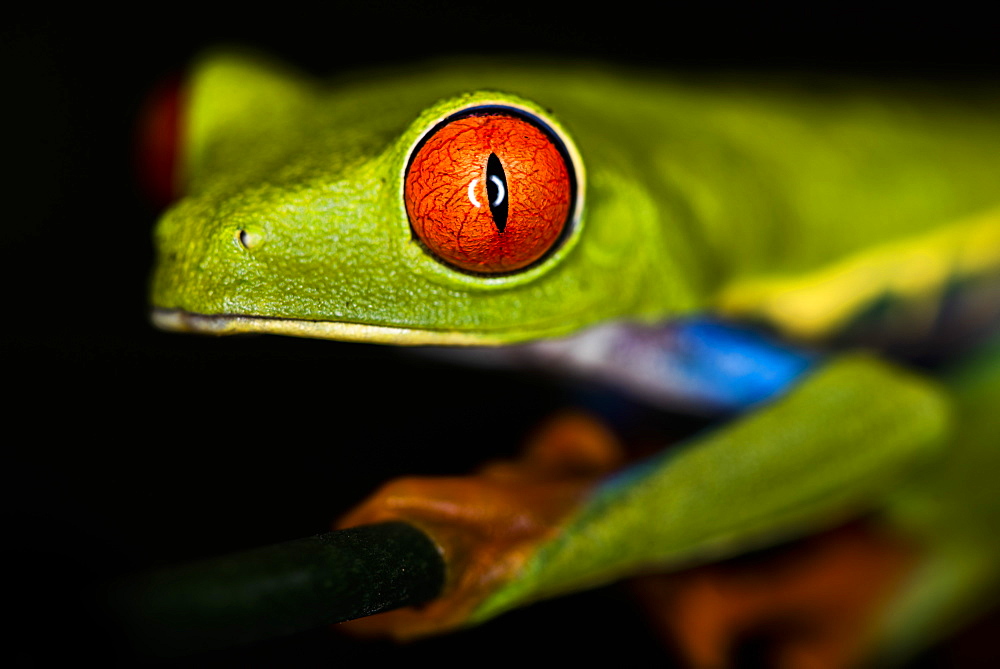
760	253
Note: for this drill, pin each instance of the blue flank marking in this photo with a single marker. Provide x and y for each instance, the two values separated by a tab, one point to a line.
736	367
732	367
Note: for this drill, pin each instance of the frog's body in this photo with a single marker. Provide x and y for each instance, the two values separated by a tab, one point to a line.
841	214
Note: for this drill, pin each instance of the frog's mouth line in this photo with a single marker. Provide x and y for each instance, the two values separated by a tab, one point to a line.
227	324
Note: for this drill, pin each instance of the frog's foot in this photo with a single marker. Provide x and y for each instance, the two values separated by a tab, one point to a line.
812	605
487	525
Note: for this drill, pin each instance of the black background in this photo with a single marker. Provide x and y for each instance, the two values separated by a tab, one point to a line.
127	448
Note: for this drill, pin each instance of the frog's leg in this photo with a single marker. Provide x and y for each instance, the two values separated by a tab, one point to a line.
953	508
814	604
826	451
949	513
489	523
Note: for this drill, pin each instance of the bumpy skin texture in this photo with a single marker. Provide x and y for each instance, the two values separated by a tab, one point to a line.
686	188
691	196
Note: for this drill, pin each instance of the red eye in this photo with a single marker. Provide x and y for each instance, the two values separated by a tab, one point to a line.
490	191
158	145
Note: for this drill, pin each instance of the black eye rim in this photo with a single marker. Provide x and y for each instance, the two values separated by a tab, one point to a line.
569	226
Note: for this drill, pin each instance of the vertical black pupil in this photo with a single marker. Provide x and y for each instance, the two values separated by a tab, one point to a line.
496	191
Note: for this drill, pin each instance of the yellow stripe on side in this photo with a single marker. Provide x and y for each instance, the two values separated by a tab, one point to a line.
820	303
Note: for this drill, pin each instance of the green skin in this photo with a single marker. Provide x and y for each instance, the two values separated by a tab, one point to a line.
687	190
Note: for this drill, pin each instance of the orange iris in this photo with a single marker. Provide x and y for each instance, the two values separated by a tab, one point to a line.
490	192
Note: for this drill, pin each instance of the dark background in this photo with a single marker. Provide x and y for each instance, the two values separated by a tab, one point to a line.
127	448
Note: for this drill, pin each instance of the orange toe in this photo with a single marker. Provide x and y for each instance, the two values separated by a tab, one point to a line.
489	524
813	604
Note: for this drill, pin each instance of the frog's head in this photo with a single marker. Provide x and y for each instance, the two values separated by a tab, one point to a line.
406	211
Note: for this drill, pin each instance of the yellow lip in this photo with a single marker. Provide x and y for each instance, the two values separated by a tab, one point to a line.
227	324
